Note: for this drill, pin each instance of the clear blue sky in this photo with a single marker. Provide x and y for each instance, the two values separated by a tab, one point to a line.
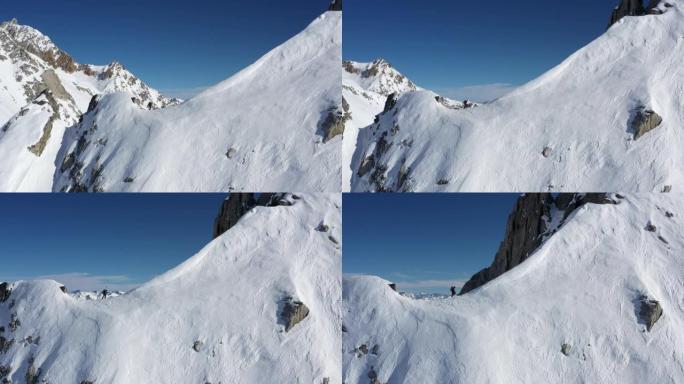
423	242
113	240
446	45
173	45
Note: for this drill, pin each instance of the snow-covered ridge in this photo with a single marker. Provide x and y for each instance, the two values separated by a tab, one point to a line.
262	129
607	118
576	311
218	317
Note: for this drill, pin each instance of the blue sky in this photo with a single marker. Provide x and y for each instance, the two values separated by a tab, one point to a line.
105	240
423	242
450	46
177	46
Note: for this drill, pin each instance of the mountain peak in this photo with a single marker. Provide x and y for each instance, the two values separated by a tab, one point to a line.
379	76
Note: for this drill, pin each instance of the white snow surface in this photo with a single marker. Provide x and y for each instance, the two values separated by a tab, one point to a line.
267	115
580	288
226	296
582	110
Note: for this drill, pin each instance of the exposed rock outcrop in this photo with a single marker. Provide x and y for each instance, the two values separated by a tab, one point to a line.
335	121
525	229
391	102
627	8
294	311
636	8
650	311
5	292
237	204
335	5
645	121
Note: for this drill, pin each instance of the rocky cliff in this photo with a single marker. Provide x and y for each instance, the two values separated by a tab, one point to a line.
531	219
238	204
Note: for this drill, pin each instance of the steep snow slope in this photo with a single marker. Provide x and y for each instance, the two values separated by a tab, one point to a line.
570	130
227	297
43	91
260	130
582	288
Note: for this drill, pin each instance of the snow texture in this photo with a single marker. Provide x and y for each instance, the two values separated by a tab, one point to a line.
583	111
582	287
212	319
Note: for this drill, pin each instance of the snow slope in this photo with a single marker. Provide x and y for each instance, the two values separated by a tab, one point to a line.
31	66
260	130
582	111
580	288
226	297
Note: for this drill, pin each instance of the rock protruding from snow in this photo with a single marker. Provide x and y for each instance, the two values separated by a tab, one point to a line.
5	292
627	8
293	313
335	5
650	311
645	121
238	204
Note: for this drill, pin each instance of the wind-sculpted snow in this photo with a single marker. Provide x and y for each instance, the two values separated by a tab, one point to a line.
260	130
573	129
213	319
581	292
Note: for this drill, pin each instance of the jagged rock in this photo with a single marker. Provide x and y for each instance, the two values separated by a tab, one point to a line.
363	349
547	152
627	8
335	121
322	227
375	350
650	227
38	148
129	179
197	345
391	102
231	152
5	344
14	322
5	292
32	373
333	240
565	349
63	289
667	189
645	121
373	376
238	204
393	286
4	371
335	5
367	165
326	380
442	182
523	235
293	313
650	311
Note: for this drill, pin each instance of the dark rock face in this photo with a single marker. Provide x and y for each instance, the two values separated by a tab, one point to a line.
32	373
627	8
645	121
649	312
5	344
525	229
5	292
293	313
238	204
197	345
565	349
391	102
523	235
336	5
335	121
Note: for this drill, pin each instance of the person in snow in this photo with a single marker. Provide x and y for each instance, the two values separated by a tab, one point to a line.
453	291
104	294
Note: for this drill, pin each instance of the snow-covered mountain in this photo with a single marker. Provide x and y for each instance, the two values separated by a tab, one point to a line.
366	89
607	118
43	91
599	299
260	303
272	126
264	129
